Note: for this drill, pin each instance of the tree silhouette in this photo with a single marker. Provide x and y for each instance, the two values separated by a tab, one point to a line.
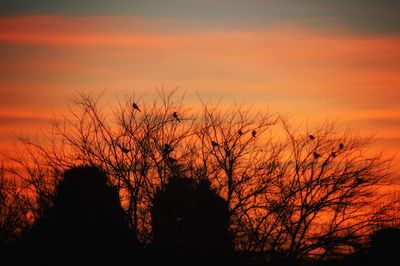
324	205
85	224
8	212
385	247
11	217
191	223
297	191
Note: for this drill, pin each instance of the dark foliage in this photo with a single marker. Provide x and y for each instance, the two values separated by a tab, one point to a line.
86	224
385	246
383	249
191	223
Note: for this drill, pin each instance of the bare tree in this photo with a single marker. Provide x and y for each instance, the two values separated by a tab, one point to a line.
236	152
128	141
290	190
327	197
13	207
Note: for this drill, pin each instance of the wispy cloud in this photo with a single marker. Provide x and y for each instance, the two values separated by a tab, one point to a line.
382	122
293	68
97	51
14	120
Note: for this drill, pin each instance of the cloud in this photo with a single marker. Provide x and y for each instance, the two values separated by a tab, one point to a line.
291	68
363	15
394	143
283	61
381	123
15	120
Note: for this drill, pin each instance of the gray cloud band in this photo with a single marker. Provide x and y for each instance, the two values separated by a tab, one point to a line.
363	15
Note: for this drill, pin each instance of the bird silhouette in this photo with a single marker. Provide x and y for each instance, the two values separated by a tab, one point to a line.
240	132
123	149
175	115
135	107
333	154
254	133
311	137
214	144
167	148
316	155
359	180
341	146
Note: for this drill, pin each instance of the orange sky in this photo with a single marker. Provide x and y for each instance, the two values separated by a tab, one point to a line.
291	68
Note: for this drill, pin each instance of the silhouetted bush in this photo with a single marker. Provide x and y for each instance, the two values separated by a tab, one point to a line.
191	223
86	224
385	246
383	249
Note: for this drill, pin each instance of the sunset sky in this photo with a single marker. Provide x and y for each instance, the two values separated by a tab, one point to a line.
313	59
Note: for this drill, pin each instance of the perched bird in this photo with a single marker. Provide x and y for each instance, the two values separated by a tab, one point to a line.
167	148
175	115
254	133
333	154
135	107
359	180
123	149
311	137
341	146
316	155
214	144
240	132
